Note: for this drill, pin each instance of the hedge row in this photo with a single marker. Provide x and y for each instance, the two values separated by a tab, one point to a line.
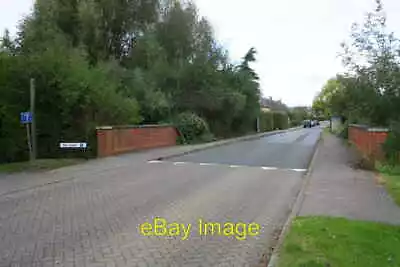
273	120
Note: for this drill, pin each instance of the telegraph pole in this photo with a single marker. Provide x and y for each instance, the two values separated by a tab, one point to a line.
258	117
33	124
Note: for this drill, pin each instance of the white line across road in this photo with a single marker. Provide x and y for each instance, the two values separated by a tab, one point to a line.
206	164
269	168
299	170
266	168
154	161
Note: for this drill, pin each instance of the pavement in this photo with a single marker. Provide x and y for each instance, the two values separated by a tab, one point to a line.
89	214
337	188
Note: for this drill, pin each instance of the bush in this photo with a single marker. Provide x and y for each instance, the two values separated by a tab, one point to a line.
295	122
391	147
343	131
280	120
192	127
266	122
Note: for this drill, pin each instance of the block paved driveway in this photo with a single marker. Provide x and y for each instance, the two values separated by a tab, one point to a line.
91	217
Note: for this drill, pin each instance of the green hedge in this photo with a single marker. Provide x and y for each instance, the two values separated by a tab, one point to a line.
280	120
391	146
273	120
266	122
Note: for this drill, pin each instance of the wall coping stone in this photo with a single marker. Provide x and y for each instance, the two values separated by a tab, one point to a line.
134	126
369	129
385	130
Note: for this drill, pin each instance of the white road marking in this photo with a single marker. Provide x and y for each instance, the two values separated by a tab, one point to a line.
299	170
231	166
269	168
207	164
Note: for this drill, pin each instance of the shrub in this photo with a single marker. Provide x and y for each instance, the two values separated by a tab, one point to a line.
391	147
343	131
192	127
280	120
266	121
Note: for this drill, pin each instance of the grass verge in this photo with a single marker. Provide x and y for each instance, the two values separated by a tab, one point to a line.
391	180
38	165
327	241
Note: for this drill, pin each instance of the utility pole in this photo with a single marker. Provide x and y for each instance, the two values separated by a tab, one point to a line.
33	124
258	117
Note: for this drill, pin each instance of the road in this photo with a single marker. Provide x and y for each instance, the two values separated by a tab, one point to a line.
285	151
93	217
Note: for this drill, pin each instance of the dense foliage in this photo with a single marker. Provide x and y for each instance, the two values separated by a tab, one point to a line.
101	62
285	117
369	93
191	127
274	120
297	115
266	121
281	120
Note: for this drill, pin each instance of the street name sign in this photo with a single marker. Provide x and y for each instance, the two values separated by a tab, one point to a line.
73	145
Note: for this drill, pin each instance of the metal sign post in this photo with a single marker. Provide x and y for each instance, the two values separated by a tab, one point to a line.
26	118
28	135
33	119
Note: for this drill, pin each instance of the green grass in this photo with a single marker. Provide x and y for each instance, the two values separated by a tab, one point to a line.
391	179
338	242
38	165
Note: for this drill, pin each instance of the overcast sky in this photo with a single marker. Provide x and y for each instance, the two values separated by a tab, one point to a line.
297	41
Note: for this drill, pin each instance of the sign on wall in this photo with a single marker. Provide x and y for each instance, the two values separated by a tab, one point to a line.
73	145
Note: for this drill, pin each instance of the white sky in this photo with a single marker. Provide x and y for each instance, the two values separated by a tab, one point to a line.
297	41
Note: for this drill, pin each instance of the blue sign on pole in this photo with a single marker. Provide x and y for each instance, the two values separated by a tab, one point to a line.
25	117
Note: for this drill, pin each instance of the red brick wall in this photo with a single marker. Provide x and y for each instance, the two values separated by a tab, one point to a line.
116	140
368	140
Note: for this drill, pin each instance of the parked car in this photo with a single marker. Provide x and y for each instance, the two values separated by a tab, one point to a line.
310	123
307	124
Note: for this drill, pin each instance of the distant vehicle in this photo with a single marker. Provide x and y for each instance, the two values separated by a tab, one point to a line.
307	124
310	123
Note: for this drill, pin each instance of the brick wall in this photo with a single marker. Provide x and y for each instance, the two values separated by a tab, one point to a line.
112	140
368	140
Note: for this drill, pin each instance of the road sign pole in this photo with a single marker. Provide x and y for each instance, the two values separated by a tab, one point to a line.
258	124
33	124
28	137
